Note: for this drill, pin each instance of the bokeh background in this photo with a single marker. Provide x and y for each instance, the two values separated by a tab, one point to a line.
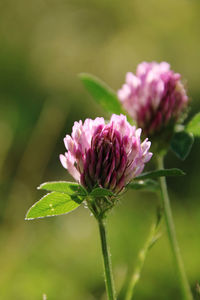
44	45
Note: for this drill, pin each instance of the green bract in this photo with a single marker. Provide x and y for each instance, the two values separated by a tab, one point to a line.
181	144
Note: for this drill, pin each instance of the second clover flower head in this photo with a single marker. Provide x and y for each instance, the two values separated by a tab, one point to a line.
155	97
105	155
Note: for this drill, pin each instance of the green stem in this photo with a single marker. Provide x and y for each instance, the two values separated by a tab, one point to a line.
172	236
106	260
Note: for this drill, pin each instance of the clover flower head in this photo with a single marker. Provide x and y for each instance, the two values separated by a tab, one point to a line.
154	97
105	155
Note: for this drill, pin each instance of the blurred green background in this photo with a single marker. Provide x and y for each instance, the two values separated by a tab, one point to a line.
44	44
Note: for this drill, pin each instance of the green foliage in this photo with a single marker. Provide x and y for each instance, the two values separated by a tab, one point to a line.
52	204
65	197
145	185
194	125
69	188
103	94
181	144
160	173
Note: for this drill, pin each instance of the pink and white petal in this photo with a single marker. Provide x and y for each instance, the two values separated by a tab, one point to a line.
145	146
69	144
138	133
124	93
63	160
71	168
147	157
139	170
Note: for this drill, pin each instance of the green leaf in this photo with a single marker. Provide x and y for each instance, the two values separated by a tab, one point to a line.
103	94
194	125
52	204
146	185
160	173
69	188
100	192
181	144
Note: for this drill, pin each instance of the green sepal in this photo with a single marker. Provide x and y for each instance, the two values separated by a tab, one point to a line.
145	185
194	125
53	204
181	144
160	173
101	192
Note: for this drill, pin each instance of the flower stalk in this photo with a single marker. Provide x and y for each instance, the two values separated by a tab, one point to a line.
106	259
186	292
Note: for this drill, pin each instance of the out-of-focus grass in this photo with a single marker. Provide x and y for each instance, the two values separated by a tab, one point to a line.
43	46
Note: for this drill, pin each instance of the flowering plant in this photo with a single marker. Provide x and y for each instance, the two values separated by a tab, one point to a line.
103	159
107	158
156	100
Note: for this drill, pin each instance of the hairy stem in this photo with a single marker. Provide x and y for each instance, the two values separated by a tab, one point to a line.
106	259
172	236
